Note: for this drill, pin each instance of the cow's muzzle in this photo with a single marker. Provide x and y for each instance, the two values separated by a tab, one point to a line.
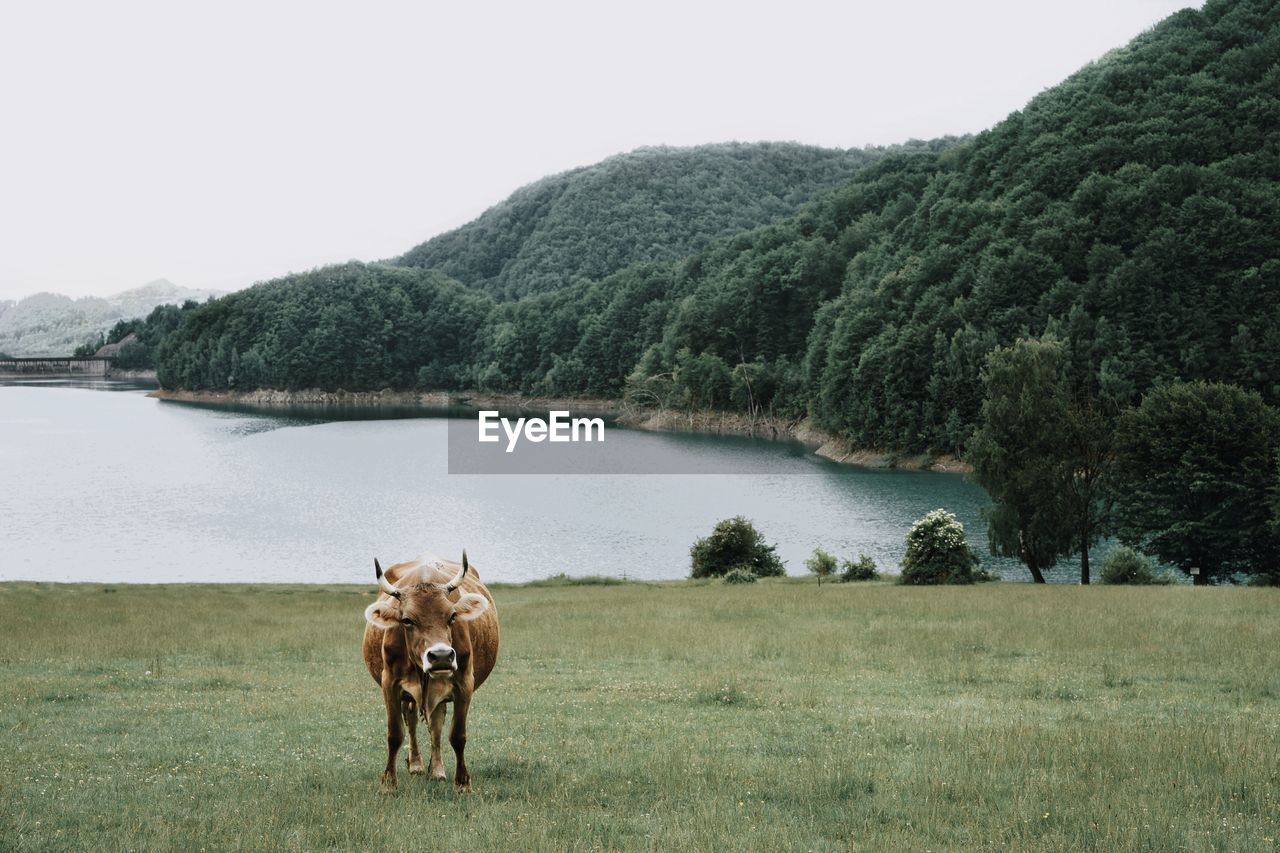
440	659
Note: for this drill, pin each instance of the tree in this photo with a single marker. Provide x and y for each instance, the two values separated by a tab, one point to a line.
735	543
821	564
937	552
1018	453
862	569
1195	473
1043	453
1089	460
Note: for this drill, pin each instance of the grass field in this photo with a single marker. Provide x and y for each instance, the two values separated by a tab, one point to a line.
670	716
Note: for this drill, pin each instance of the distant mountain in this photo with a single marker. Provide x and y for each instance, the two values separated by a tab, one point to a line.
53	324
653	204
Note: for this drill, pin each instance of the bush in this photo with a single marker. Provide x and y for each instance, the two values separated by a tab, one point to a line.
821	564
862	569
735	543
576	580
1124	565
937	552
740	575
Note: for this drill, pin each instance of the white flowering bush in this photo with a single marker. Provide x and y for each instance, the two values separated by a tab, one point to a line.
937	552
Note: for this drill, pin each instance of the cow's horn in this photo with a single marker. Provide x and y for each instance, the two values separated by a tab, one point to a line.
457	581
383	583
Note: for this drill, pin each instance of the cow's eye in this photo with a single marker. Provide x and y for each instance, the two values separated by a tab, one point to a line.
406	621
453	616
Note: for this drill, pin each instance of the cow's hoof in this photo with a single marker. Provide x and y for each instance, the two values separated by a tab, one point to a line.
388	784
416	768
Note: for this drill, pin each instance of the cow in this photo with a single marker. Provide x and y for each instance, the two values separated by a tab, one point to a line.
431	639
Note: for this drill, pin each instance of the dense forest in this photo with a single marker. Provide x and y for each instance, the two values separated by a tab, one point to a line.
654	204
354	326
1129	212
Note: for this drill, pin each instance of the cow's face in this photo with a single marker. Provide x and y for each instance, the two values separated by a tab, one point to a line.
427	616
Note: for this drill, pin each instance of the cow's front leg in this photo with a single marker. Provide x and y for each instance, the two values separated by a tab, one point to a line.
437	727
395	736
438	692
458	740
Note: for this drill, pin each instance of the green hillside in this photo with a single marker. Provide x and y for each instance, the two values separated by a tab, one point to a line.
1130	210
353	326
654	204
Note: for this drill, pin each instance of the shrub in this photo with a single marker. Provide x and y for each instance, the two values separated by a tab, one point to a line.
576	580
862	569
735	543
1125	565
937	552
740	575
821	564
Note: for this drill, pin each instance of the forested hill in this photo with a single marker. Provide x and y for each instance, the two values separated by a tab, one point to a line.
1130	210
654	204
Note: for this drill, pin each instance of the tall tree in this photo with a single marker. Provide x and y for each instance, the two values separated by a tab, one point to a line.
1018	450
1088	461
1195	472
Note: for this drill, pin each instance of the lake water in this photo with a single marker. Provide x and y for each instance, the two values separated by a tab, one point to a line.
102	483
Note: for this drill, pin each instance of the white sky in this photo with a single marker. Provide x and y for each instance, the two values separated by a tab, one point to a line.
234	142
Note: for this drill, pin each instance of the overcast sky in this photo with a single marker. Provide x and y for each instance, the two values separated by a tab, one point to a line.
235	142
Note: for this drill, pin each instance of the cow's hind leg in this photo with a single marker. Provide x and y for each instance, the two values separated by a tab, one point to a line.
409	710
437	727
458	740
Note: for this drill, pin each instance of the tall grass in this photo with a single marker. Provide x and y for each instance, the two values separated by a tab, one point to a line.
772	716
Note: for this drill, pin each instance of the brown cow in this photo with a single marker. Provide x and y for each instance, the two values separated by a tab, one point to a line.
432	639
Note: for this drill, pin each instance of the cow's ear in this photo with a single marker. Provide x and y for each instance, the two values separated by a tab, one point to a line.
383	614
470	606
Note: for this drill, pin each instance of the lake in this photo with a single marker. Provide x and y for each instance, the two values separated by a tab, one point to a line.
102	483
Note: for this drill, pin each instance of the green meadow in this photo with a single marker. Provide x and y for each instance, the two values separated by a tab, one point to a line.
678	716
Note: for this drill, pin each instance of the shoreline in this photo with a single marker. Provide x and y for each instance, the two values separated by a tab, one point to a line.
822	443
